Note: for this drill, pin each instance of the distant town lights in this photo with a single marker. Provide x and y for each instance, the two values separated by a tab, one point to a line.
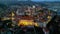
33	6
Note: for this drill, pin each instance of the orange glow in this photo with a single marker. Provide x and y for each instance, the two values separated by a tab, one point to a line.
36	24
13	14
27	23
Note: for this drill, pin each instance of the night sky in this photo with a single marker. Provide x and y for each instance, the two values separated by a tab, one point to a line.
31	0
45	0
